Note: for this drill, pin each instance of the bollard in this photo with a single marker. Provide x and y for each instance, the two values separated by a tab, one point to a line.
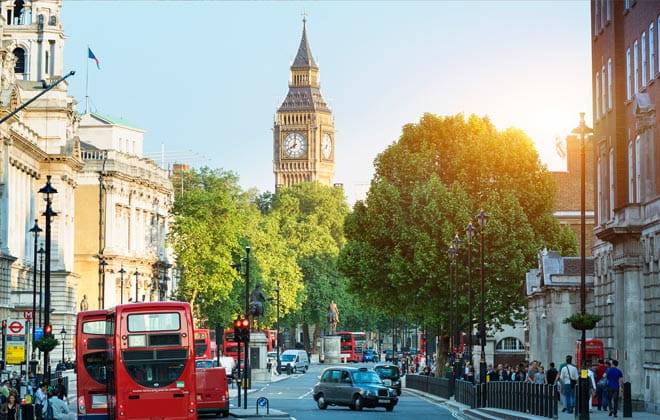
288	370
627	400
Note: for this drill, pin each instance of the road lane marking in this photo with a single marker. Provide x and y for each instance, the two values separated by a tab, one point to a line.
305	394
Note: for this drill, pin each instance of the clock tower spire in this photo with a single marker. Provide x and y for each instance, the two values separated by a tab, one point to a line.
304	130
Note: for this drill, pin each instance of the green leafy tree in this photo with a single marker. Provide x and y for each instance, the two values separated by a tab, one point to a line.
427	186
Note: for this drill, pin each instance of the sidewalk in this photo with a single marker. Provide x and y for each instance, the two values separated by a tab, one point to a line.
499	414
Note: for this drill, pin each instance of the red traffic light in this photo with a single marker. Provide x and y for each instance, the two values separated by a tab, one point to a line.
245	323
237	323
48	330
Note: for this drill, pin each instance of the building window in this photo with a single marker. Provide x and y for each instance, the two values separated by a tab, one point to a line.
644	59
628	75
602	13
609	84
609	10
651	52
603	99
611	179
636	66
631	174
510	344
596	17
20	60
638	169
597	95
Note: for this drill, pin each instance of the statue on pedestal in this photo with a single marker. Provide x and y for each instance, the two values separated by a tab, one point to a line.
256	307
333	317
84	305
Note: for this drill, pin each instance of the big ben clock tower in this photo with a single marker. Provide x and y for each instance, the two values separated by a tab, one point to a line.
304	130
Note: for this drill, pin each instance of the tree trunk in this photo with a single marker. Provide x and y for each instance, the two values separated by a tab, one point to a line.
441	356
306	337
315	339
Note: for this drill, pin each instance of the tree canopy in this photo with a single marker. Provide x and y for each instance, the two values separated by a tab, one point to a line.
427	187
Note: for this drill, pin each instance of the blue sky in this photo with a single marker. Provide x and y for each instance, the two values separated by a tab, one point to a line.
204	78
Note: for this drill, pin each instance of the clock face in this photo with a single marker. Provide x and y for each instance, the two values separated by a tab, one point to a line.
295	145
326	146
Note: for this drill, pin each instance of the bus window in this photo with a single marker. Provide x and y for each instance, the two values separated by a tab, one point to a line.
166	321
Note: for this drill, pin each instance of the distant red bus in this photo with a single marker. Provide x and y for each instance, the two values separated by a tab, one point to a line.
205	345
230	348
151	362
91	348
595	352
352	344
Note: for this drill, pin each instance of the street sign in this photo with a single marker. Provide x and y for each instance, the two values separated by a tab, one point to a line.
38	333
28	315
15	341
16	327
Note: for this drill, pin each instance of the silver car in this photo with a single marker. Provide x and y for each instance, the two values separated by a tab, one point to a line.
353	387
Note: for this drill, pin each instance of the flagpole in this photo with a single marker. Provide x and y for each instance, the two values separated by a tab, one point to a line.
87	80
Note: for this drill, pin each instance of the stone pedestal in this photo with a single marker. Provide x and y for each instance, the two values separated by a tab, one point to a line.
331	349
258	359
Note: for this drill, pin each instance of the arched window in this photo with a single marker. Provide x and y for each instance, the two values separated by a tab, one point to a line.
20	60
510	344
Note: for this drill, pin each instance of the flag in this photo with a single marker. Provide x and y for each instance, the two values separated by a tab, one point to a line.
91	55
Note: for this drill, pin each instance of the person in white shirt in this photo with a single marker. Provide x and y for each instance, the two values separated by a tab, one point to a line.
569	376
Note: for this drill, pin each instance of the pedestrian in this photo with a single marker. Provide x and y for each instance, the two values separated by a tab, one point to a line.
4	391
569	377
551	374
520	374
60	408
60	389
499	374
592	386
540	376
614	384
601	385
9	410
533	370
41	397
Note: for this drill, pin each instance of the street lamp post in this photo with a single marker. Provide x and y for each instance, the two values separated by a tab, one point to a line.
121	285
279	365
582	129
247	370
63	334
469	232
456	242
137	273
48	190
451	253
41	253
482	218
102	264
35	230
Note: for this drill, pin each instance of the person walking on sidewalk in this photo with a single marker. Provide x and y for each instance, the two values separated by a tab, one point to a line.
569	376
614	384
601	384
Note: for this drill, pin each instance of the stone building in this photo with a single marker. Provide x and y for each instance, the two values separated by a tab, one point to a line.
122	208
625	67
38	141
553	294
304	129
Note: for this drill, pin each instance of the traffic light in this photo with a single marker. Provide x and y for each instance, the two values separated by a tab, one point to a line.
48	331
237	330
245	330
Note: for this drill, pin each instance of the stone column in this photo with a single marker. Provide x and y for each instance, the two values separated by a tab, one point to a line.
332	346
258	359
633	328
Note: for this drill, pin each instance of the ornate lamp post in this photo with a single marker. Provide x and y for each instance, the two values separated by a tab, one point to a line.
48	190
582	129
121	285
102	264
469	232
41	253
137	273
482	218
451	254
35	230
279	365
456	242
63	334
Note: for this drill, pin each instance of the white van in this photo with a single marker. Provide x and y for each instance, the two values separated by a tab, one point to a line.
297	359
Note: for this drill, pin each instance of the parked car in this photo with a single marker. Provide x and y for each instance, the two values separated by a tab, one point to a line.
369	355
390	375
353	387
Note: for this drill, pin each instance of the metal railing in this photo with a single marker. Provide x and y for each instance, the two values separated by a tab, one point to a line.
524	397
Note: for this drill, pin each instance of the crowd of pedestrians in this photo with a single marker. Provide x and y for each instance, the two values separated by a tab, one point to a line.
605	381
48	402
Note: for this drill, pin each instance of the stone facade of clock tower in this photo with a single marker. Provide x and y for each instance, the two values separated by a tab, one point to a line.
304	130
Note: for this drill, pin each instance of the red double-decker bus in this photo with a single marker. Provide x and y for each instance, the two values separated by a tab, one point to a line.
151	362
205	345
352	344
230	348
91	349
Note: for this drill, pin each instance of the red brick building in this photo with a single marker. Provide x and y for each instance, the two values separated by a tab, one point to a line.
626	89
567	204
